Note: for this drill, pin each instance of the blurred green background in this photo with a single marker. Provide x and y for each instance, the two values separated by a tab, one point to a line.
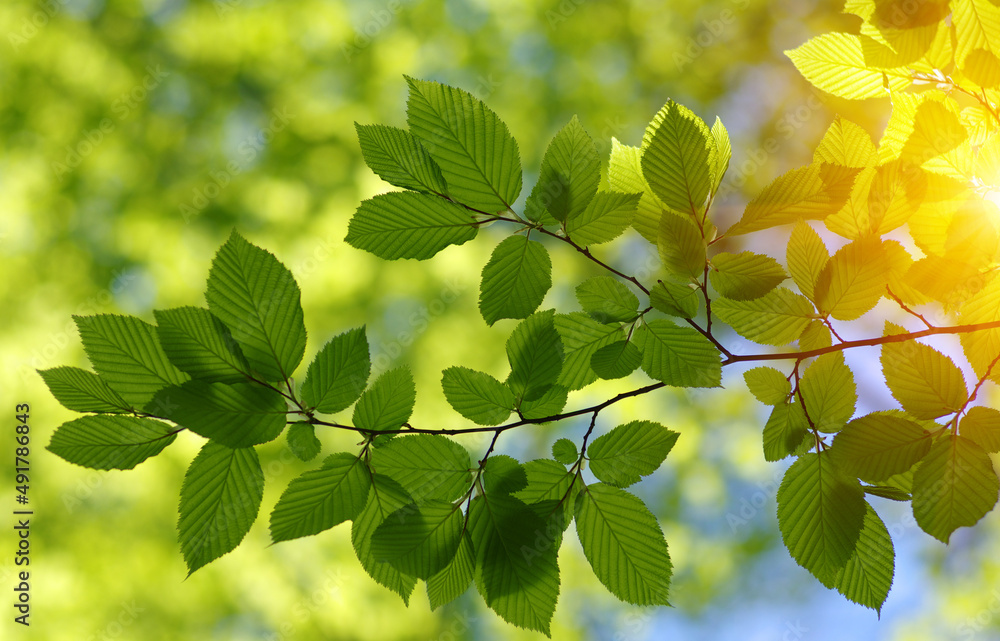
136	134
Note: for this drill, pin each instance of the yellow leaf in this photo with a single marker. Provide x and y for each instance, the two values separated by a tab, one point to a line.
852	221
982	347
835	63
853	281
977	30
625	175
898	262
847	144
806	257
896	193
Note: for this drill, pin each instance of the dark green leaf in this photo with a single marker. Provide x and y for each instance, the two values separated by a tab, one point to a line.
564	451
320	499
303	442
428	466
617	360
110	442
570	173
502	474
385	497
548	404
452	582
198	343
535	352
420	539
581	337
388	403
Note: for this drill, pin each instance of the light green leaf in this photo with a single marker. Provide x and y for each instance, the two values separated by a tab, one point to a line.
320	499
887	492
515	279
624	544
548	404
926	383
303	442
198	343
806	256
828	392
127	355
502	474
220	499
473	147
535	352
835	63
399	158
258	299
785	431
551	494
409	225
777	318
677	159
581	337
820	515
745	276
82	391
768	385
682	248
816	335
617	360
519	578
723	153
607	299
867	577
954	486
477	396
564	451
568	179
385	497
630	451
452	582
625	175
110	442
339	372
428	466
876	446
981	425
675	299
388	403
236	416
420	539
678	356
853	280
606	217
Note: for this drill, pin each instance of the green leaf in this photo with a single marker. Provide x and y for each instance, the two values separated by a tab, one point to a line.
630	451
474	149
564	451
258	299
785	431
420	539
926	383
519	577
127	355
675	299
550	493
954	486
807	193
876	446
820	515
867	577
236	416
806	256
677	160
678	356
110	442
548	404
624	544
502	474
981	425
777	318
535	352
428	466
385	497
617	360
887	492
835	63
452	582
606	217
339	372
625	175
608	300
303	442
828	392
320	499
220	499
816	335
399	158
745	276
853	280
198	343
570	173
82	391
515	279
388	403
581	338
768	385
409	225
477	396
723	153
682	248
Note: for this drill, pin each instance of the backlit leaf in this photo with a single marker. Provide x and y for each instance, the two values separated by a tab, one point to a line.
515	279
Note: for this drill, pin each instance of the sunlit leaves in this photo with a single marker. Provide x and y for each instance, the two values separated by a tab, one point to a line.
981	425
806	256
675	299
828	392
515	279
582	337
110	442
82	391
604	219
867	576
564	451
427	466
768	385
477	396
570	173
977	27
785	431
409	225
677	159
302	441
625	175
535	353
454	579
385	497
419	539
777	318
877	446
320	499
237	415
197	343
835	63
745	276
339	373
678	356
682	248
388	403
628	452
617	360
399	158
607	299
924	381
852	281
